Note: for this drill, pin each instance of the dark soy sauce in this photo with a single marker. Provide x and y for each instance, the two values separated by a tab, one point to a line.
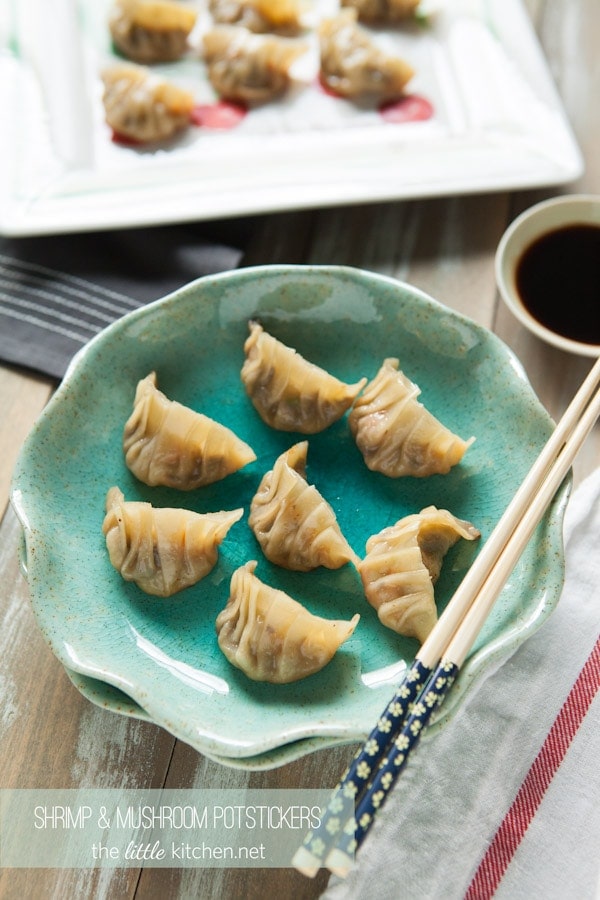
558	280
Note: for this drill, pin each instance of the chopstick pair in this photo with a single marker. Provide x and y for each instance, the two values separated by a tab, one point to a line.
377	765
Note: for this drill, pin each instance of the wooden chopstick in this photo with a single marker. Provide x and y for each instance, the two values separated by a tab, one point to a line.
341	858
477	613
424	687
433	647
310	857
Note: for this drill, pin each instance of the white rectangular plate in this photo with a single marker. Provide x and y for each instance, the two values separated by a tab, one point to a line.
497	124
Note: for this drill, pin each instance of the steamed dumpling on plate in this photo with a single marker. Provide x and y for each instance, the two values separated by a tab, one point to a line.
249	68
141	106
280	16
170	444
353	66
383	11
294	525
163	550
396	434
288	392
151	31
402	565
270	636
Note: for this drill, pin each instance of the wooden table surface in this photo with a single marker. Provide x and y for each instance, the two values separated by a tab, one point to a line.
51	737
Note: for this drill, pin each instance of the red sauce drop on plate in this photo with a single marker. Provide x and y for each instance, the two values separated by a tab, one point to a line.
323	86
410	108
118	138
221	115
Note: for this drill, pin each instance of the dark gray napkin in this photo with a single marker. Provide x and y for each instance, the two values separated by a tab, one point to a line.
57	292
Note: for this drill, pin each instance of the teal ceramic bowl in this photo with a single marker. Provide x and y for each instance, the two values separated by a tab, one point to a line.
162	654
112	699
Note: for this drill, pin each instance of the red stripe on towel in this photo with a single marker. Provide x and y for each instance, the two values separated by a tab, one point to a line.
516	822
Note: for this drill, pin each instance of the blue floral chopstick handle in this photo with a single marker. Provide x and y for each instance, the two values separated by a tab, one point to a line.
341	858
317	843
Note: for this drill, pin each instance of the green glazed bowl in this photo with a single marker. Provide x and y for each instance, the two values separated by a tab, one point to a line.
163	653
110	698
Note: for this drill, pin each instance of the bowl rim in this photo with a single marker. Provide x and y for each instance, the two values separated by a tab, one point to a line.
532	223
482	664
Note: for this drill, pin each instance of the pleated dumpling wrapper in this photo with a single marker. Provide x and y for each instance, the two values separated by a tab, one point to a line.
295	526
270	636
249	68
354	66
151	31
402	565
396	434
383	12
288	392
260	16
162	550
170	444
143	107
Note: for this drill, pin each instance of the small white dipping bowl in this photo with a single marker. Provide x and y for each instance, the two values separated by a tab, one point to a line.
559	212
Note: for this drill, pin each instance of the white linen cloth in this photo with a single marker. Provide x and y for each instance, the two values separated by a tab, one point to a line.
446	807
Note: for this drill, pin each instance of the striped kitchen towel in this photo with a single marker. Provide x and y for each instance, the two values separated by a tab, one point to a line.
57	292
504	802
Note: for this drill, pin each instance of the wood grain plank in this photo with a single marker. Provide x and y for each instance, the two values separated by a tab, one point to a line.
278	239
445	247
23	395
568	33
190	770
51	737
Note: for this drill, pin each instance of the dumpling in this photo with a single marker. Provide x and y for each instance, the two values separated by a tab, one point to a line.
246	67
288	392
170	444
294	525
151	31
403	564
162	550
353	66
142	107
396	434
270	636
281	16
383	11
